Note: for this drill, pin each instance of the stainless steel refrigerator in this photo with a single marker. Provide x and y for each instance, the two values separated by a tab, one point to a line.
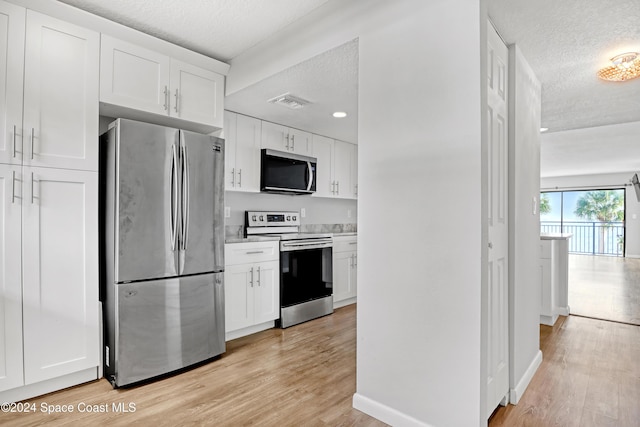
162	237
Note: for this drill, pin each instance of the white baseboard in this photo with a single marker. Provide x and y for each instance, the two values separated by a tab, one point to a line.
632	256
548	320
48	386
232	335
516	393
385	413
562	311
344	302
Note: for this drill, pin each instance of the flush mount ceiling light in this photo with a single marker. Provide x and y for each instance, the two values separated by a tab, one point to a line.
626	66
289	101
339	114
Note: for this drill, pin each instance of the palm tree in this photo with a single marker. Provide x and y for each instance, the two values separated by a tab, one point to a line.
605	206
545	204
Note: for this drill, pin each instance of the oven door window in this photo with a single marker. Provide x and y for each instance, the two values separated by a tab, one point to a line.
305	275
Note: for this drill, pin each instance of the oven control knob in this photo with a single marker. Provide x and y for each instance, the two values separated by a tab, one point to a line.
288	218
261	218
253	218
293	217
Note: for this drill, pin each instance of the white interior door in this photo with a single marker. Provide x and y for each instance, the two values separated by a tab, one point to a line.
498	160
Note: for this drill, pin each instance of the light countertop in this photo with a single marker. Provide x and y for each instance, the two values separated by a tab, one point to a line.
555	236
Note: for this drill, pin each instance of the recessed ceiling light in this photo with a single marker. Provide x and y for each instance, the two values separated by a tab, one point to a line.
339	114
544	129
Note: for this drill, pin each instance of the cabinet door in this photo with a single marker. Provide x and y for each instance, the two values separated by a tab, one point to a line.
354	172
10	278
230	137
266	288
134	77
248	134
238	297
60	272
300	142
343	159
60	94
275	136
196	94
322	150
353	283
12	27
341	270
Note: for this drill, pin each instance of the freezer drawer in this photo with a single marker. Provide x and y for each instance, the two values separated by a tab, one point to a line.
164	325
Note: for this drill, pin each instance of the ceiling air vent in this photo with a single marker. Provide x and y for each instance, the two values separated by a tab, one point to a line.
289	101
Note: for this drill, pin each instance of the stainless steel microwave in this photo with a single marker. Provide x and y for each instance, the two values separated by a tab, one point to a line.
287	173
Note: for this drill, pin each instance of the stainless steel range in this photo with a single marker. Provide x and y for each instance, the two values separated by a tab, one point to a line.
306	272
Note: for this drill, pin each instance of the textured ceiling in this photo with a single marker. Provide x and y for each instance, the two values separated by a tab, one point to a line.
593	124
329	81
564	41
221	29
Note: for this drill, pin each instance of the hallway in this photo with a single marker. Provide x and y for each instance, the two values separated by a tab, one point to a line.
605	288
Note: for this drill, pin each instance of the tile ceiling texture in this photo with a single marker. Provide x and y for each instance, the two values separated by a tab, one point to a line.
565	42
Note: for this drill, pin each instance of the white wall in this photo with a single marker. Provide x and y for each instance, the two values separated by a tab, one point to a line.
524	226
583	182
419	240
319	210
420	198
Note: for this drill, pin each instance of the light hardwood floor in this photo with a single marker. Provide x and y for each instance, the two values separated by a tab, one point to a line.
305	376
300	376
589	377
605	287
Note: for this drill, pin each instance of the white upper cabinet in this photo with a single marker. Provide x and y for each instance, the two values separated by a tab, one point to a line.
140	80
12	28
344	162
134	77
282	138
242	150
323	152
48	91
336	170
197	94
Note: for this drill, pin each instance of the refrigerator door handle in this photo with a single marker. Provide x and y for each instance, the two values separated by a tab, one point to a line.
174	197
185	198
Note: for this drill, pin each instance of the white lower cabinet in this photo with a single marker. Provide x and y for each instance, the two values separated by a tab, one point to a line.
252	287
345	263
54	343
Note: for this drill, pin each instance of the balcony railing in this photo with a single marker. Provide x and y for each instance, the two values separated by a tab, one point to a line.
596	238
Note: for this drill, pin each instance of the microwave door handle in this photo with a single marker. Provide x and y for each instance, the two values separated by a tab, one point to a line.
310	176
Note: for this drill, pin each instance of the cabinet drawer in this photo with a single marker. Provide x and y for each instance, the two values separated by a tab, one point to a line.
250	252
345	243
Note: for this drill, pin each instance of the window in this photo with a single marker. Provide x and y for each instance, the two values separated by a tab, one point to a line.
595	218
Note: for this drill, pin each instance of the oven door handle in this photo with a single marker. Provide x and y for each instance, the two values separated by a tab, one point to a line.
291	246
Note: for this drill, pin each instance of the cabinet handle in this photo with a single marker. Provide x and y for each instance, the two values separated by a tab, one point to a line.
13	186
353	243
293	142
333	187
355	190
287	141
177	97
254	252
14	141
32	187
166	92
258	276
355	260
251	280
240	178
233	177
32	132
